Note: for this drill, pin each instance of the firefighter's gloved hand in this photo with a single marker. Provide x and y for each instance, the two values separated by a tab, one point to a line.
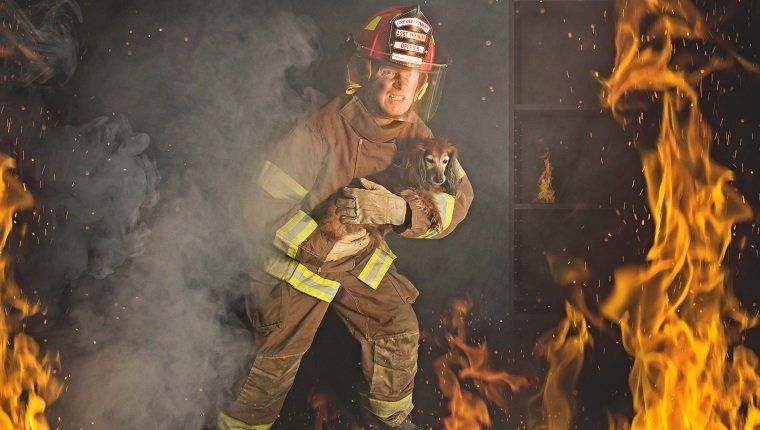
372	205
348	245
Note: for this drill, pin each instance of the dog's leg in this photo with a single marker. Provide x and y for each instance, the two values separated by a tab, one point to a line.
424	201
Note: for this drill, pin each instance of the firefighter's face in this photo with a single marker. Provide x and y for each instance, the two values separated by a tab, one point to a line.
394	89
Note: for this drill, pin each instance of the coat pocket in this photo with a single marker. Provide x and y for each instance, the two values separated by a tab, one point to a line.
403	286
266	302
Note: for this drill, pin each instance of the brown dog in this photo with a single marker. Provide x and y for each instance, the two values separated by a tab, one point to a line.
419	169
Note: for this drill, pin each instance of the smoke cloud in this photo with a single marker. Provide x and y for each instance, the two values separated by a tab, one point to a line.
39	40
95	181
140	263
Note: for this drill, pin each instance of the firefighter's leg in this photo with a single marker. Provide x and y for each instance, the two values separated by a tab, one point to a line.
285	321
385	324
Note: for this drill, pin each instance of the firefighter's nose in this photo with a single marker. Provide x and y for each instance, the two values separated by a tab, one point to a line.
401	81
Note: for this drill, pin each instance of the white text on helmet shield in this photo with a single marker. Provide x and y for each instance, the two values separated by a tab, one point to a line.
409	47
411	35
406	22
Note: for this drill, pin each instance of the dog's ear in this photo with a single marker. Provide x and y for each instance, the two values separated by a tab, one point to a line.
453	152
413	169
407	161
421	180
452	176
410	153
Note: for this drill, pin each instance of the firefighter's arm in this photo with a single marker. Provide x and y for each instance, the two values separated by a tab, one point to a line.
274	206
452	209
408	213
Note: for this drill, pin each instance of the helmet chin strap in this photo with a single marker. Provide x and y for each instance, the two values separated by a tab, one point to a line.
421	91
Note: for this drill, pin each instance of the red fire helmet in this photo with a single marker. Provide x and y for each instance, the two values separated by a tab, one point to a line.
401	37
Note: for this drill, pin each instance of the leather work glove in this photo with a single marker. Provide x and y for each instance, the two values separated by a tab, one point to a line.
350	244
372	205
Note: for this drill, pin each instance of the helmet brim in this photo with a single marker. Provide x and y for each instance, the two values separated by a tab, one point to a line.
411	63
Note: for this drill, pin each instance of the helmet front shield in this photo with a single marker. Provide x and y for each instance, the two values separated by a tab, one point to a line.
361	70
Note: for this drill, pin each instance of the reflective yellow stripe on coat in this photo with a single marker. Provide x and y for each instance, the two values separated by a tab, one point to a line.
283	187
445	203
302	279
377	266
385	409
279	184
459	170
291	235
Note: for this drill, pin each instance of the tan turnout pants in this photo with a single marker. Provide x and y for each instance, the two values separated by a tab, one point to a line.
286	320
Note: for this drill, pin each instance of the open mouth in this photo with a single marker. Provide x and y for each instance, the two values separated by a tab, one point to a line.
396	98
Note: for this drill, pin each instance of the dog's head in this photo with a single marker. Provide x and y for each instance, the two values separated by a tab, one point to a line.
430	164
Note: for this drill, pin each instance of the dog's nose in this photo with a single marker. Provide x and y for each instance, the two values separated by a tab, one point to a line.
439	181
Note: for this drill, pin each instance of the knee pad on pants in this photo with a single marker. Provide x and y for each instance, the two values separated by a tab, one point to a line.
269	380
395	364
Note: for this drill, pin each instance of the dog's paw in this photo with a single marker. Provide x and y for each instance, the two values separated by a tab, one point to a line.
424	202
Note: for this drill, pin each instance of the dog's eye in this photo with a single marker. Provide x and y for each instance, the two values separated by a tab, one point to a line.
445	161
430	159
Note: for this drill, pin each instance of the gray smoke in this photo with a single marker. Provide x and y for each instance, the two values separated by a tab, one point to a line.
147	246
96	180
39	41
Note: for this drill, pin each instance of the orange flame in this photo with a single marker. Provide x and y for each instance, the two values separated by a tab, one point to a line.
617	421
27	384
563	347
545	189
329	414
320	404
673	310
572	275
463	361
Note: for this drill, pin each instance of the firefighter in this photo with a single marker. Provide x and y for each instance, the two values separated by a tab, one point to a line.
392	88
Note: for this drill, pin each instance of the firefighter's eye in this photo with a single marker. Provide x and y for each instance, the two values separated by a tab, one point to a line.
386	73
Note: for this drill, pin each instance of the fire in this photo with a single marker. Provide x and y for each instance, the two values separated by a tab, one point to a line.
676	312
572	275
329	414
563	348
27	384
545	189
320	404
678	317
469	410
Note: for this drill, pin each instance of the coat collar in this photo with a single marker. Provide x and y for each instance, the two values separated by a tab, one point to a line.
357	115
